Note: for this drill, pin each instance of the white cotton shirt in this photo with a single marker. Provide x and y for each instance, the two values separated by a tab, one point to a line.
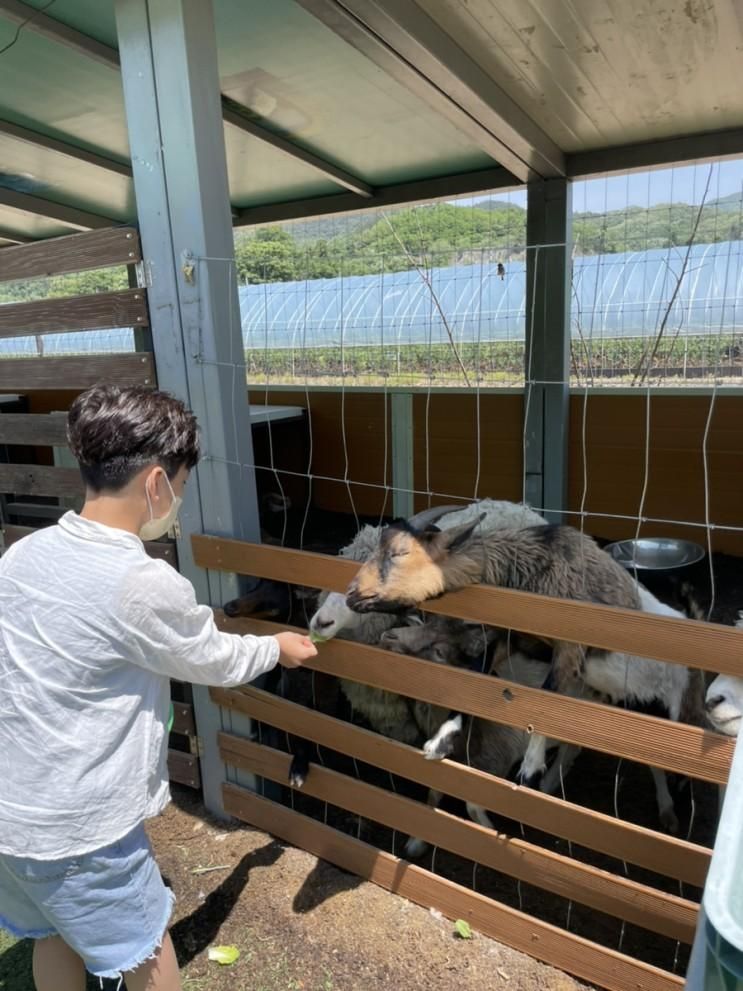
91	631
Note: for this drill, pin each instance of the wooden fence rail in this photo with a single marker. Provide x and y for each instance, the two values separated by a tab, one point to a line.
625	841
40	480
29	429
708	646
74	253
631	901
76	373
685	750
573	954
77	313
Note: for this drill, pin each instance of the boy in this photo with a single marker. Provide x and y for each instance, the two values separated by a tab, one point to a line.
91	631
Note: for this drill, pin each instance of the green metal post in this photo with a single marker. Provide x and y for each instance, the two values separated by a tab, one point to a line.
171	91
548	278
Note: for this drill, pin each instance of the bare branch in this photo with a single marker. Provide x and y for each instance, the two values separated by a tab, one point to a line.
425	277
648	356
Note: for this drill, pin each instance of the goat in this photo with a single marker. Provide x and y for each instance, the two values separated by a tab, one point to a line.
277	601
486	745
724	701
642	685
389	714
334	615
412	565
386	712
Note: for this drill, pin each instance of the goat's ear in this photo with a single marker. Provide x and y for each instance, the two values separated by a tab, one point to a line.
456	537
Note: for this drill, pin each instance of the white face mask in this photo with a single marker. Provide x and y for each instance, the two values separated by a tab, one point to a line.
158	526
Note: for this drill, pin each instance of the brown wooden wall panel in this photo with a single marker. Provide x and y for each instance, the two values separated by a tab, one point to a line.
363	415
615	464
451	466
53	316
40	480
615	436
33	429
623	840
183	719
637	903
572	954
184	769
682	749
76	373
708	646
51	400
163	550
72	253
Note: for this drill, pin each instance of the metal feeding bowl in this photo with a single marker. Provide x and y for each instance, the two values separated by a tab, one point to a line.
655	553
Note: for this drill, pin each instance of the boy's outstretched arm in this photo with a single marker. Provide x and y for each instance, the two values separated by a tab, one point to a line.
165	630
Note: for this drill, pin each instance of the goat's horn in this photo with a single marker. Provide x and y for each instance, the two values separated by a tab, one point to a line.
428	516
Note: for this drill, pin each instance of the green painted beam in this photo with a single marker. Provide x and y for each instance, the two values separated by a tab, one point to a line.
400	37
710	146
40	23
421	190
81	220
547	373
33	20
39	140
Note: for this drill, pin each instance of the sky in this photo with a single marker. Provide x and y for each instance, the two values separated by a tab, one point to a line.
683	184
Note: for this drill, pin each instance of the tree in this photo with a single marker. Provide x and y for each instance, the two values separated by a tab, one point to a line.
269	255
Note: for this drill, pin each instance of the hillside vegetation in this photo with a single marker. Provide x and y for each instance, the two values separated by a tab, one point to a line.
431	235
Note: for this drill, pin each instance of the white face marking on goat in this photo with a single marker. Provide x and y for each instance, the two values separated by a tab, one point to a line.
724	704
332	617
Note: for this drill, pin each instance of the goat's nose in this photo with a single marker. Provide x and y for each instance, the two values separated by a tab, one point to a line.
321	624
712	703
230	608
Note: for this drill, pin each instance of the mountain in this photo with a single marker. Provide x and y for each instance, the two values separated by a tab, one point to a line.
733	203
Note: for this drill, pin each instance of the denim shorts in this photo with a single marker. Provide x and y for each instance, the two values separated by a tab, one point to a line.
110	906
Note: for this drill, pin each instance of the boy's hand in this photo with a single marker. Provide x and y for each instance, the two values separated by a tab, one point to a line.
295	649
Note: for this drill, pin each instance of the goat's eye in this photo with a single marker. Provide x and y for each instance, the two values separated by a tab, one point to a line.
399	553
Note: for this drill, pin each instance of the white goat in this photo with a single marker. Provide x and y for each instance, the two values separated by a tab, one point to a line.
638	683
724	701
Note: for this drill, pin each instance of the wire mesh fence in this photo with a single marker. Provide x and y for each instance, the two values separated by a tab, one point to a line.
349	471
434	298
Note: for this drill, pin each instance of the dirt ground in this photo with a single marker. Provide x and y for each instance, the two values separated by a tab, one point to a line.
301	924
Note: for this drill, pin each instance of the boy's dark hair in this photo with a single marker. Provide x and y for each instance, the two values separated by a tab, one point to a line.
116	431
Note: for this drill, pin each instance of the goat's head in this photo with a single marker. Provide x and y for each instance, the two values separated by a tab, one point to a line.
332	616
276	502
724	704
271	600
408	567
441	640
